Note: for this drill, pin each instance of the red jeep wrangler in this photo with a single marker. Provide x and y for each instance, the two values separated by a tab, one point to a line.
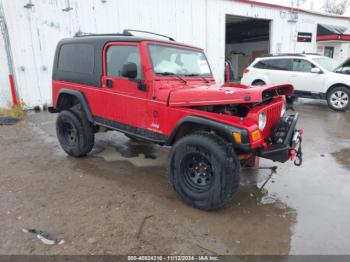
164	92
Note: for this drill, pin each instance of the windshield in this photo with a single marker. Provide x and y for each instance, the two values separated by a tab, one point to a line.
326	62
168	60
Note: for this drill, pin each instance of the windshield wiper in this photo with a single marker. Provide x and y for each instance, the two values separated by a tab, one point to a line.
166	73
206	80
172	74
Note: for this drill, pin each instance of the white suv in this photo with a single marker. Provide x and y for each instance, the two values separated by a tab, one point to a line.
313	76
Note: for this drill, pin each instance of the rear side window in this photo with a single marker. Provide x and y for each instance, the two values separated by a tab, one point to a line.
274	64
301	65
76	58
117	56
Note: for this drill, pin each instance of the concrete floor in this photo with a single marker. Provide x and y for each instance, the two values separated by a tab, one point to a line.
97	204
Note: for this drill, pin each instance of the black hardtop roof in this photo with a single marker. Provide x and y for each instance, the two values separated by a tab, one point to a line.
102	39
98	41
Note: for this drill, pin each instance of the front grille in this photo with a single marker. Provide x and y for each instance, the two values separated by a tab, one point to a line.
273	114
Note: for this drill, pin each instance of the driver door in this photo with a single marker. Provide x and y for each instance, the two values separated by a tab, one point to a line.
125	103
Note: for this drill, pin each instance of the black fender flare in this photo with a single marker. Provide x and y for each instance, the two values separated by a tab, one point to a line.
80	97
226	130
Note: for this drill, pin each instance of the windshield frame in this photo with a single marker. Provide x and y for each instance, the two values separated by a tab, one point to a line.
182	47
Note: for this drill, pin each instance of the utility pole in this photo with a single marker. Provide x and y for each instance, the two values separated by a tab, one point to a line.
5	35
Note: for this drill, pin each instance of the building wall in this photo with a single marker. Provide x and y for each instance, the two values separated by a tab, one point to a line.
35	32
341	50
5	93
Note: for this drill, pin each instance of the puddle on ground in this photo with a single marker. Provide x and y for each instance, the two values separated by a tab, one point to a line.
114	146
254	221
343	157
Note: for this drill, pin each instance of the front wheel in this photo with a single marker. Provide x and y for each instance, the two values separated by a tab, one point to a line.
338	98
204	170
74	133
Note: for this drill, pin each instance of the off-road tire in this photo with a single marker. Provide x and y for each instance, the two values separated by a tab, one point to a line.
258	83
223	163
84	140
338	90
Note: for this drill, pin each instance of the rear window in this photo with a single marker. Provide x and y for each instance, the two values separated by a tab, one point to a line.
77	58
274	64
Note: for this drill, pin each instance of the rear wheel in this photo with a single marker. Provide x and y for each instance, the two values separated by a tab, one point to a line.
258	83
74	133
338	98
204	170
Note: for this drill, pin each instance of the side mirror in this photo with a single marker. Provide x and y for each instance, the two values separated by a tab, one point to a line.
316	70
129	70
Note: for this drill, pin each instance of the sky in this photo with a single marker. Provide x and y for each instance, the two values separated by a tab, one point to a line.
315	5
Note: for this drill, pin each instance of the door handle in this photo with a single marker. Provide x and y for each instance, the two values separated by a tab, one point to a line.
109	83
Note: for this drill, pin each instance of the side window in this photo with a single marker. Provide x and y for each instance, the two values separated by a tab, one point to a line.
260	65
117	56
280	64
301	65
76	58
274	64
329	51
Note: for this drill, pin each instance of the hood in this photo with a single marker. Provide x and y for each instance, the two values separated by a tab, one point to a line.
225	94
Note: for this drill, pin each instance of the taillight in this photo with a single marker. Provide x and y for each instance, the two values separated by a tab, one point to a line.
245	71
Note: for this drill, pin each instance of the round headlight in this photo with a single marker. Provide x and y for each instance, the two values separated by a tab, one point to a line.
284	108
262	121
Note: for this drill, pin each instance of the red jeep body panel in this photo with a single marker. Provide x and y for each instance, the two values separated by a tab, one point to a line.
167	99
163	92
221	94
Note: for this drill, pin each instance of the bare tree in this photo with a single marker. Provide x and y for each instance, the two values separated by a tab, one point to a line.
337	7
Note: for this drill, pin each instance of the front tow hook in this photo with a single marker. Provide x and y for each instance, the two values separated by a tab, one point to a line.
297	154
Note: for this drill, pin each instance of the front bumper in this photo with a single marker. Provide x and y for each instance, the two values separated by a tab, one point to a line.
290	148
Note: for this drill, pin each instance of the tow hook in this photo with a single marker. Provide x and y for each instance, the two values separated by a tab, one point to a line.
298	152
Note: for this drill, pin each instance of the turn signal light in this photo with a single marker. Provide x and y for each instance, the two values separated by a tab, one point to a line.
238	138
256	135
